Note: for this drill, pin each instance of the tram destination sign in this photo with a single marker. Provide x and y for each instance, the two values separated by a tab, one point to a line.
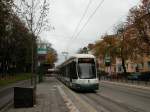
86	60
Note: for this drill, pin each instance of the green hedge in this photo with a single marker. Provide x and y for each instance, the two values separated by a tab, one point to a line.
13	79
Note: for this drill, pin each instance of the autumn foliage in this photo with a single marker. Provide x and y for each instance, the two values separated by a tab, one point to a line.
131	39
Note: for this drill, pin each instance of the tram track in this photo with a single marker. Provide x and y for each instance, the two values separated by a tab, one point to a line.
107	104
96	105
133	91
102	102
121	104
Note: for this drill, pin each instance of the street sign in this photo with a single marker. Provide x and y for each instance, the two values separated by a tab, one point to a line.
42	51
107	61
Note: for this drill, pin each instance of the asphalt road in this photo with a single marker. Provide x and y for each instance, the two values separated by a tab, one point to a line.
114	98
7	93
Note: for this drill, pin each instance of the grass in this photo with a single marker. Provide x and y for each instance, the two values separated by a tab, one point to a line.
13	79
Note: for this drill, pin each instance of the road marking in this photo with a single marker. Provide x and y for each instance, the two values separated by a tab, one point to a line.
68	102
84	104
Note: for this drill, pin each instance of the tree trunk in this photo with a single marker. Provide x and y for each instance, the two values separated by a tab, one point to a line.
123	65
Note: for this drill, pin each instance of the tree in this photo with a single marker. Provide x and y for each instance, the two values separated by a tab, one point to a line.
34	14
107	45
5	14
51	58
123	55
15	47
21	42
13	35
52	55
83	50
90	46
140	18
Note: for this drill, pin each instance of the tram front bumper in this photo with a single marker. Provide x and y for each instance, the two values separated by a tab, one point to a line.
86	86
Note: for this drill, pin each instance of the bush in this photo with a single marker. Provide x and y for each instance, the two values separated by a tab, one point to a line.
123	75
13	79
145	76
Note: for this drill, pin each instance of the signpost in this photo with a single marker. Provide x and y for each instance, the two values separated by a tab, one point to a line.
107	56
42	52
107	60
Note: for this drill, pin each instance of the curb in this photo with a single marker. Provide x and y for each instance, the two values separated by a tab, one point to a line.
7	106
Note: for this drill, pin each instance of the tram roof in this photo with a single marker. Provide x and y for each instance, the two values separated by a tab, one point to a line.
77	56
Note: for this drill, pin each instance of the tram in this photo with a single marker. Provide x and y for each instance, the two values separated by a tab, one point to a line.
79	72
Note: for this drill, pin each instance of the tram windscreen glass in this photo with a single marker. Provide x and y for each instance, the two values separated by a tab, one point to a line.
86	68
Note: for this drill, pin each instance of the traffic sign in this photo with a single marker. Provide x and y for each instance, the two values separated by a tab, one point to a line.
107	61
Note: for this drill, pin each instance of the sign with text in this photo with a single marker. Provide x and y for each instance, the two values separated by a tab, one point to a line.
42	51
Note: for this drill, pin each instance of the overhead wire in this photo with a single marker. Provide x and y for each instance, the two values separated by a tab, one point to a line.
81	19
90	17
118	20
86	9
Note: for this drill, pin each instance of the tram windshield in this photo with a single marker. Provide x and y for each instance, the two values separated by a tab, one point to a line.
86	69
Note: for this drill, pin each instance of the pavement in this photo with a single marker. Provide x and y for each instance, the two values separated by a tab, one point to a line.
48	100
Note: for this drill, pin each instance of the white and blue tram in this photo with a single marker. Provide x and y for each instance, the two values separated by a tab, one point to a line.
79	72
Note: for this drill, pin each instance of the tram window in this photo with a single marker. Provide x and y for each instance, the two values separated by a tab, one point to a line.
86	70
68	70
73	70
63	71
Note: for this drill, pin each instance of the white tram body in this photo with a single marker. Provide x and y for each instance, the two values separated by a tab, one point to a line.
79	72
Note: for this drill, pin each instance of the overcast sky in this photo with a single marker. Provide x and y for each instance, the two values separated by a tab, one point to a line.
65	15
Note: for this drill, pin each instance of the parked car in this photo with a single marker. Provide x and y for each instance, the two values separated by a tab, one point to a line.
145	76
134	76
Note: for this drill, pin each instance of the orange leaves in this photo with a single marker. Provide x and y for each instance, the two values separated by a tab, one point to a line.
109	44
51	58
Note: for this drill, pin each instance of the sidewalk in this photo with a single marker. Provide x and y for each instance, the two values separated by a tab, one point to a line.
127	84
48	99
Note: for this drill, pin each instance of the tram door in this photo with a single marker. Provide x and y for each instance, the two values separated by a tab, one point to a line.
73	73
70	72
